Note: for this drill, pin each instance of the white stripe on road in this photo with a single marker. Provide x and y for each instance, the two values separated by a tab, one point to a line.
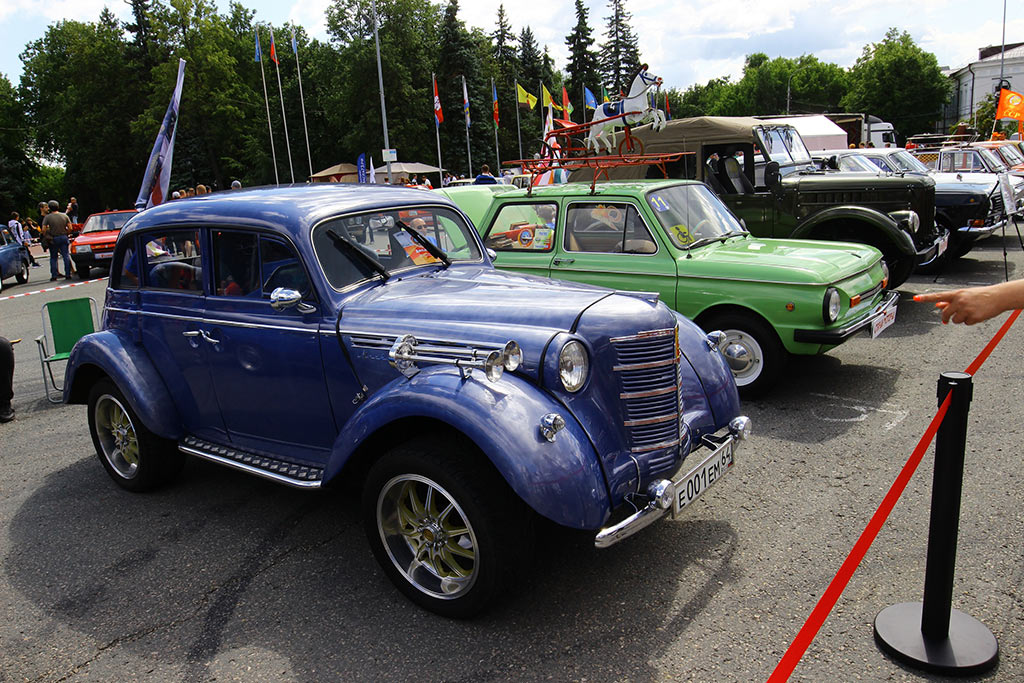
53	289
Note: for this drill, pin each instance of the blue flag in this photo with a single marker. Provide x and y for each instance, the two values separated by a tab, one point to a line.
361	165
295	45
590	102
259	55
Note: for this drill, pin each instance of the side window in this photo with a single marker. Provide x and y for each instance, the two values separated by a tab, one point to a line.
129	273
608	229
280	267
172	260
235	263
5	237
523	227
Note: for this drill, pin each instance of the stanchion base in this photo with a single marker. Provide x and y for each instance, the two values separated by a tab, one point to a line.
971	648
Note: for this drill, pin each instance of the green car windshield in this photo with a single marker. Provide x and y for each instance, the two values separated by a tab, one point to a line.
692	215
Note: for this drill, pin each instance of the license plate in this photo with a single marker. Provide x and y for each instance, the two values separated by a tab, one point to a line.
943	244
106	254
698	480
883	321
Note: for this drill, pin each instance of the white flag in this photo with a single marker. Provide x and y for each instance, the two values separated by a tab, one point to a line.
373	173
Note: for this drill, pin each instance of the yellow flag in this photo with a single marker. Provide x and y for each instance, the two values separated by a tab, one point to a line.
548	99
525	98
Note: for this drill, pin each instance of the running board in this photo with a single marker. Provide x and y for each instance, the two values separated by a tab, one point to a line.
292	474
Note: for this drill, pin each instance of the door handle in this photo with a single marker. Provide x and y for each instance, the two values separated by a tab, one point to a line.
200	333
560	260
190	333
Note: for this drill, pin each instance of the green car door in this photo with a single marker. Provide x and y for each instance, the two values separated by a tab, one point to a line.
610	243
522	234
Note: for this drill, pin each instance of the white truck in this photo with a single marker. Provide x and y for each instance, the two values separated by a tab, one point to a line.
865	128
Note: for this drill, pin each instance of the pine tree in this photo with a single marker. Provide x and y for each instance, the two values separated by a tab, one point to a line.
620	54
531	72
583	65
459	58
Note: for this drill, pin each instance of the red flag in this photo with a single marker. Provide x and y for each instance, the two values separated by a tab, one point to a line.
668	112
494	99
438	114
566	107
273	50
1011	105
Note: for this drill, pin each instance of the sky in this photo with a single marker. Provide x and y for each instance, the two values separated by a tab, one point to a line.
684	41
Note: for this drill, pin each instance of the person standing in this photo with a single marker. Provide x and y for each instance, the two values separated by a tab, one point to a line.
73	210
21	236
6	380
485	177
57	226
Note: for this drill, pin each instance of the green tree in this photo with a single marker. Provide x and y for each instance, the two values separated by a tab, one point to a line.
531	72
506	68
899	82
16	167
620	53
80	93
582	69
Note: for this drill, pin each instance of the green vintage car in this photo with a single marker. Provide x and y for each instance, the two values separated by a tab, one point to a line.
769	297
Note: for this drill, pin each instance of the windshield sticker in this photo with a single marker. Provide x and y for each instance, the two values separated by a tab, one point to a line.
682	233
416	253
658	203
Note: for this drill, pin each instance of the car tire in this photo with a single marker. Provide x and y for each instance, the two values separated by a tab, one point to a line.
133	456
753	345
415	497
22	275
83	270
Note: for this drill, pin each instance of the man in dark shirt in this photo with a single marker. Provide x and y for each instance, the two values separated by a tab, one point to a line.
58	226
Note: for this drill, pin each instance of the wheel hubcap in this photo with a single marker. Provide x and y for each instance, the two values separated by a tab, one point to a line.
117	437
744	356
427	536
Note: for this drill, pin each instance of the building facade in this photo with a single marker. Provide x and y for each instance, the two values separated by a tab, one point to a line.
974	82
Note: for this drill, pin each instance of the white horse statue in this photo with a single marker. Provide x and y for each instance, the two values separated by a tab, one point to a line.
633	110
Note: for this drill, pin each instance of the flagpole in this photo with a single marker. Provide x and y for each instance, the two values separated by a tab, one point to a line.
465	104
437	132
273	154
519	133
497	152
284	121
302	100
380	82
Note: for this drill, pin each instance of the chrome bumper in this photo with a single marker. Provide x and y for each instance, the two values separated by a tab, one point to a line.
982	232
661	493
838	336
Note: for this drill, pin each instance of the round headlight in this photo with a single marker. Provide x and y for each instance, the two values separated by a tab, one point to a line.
494	366
831	305
512	356
573	366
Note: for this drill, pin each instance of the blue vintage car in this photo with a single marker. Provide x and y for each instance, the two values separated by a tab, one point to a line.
13	258
251	329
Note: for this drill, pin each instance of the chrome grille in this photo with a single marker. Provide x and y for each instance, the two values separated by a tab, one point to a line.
648	370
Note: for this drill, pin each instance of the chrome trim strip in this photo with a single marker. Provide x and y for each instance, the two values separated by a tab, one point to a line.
605	271
668	331
451	346
648	394
651	420
657	446
213	321
273	476
645	366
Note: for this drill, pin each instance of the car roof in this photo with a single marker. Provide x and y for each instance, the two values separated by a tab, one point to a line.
582	189
289	206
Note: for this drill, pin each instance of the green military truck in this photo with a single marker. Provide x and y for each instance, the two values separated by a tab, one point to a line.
765	175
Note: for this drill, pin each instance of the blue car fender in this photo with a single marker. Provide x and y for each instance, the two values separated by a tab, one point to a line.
561	480
130	368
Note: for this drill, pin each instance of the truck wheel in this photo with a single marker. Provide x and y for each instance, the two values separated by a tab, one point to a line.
133	456
446	529
900	267
752	350
22	275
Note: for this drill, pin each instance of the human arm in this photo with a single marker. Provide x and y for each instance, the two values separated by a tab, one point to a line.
977	304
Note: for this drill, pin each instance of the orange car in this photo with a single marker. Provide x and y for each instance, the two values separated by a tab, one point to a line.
1008	152
95	245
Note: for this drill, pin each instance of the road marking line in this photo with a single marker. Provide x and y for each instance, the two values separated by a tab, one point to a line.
53	289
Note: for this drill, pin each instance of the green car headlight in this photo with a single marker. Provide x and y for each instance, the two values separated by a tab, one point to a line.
830	307
573	366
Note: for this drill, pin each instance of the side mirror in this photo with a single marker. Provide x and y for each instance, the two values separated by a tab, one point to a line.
493	255
283	298
833	162
772	177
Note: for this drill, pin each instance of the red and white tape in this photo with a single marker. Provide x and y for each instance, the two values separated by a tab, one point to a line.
53	289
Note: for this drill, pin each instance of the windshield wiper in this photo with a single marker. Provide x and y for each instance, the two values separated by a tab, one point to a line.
425	243
707	240
347	245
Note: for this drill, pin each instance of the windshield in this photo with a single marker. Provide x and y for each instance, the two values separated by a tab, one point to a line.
851	162
1011	155
906	161
101	222
784	145
692	214
994	160
379	235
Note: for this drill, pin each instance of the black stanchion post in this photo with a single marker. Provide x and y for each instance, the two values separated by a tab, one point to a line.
931	635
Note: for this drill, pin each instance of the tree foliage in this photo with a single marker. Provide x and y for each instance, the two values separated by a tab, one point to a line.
898	81
620	53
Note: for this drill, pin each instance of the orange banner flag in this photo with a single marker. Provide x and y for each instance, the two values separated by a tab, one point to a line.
1011	105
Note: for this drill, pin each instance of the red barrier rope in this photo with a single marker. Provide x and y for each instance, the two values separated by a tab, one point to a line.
828	600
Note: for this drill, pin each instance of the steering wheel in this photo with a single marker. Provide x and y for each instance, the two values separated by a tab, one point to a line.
595	227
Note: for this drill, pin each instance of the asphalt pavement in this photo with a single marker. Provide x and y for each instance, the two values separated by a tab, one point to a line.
224	576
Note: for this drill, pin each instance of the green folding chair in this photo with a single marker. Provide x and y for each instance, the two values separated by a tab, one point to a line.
70	320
